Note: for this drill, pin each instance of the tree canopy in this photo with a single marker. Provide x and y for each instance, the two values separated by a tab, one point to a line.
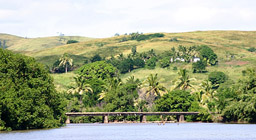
28	99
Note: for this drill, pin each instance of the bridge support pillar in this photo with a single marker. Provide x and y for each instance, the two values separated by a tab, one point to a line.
105	119
68	120
180	118
143	119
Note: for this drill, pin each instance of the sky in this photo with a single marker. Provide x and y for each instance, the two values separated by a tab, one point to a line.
104	18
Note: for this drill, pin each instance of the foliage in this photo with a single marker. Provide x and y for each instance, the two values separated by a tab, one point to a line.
72	41
199	66
251	49
65	61
97	70
207	54
177	101
120	97
217	77
96	57
165	62
183	82
151	63
28	99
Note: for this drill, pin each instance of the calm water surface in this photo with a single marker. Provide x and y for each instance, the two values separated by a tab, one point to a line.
152	131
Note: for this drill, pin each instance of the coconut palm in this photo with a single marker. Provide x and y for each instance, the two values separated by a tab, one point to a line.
81	87
154	87
111	84
65	61
183	82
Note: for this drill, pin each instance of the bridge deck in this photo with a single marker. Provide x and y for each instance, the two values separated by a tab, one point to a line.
127	113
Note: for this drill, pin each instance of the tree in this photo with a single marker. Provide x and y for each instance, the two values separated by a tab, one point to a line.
199	66
125	66
183	82
97	70
82	88
216	78
28	99
207	54
65	61
177	101
95	58
165	62
134	50
151	63
153	89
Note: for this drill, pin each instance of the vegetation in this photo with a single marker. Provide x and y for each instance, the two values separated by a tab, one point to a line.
195	71
72	41
28	99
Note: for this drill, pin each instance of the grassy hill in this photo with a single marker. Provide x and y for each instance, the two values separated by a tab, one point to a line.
30	45
9	39
230	46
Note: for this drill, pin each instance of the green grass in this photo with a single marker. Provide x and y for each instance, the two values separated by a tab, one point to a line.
63	81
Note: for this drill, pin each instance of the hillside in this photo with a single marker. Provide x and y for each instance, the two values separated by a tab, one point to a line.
9	40
230	46
29	45
223	42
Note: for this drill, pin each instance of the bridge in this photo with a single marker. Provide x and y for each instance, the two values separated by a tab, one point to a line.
179	115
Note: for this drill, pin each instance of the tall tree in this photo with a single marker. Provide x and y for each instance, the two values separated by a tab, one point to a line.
65	61
81	88
154	87
183	82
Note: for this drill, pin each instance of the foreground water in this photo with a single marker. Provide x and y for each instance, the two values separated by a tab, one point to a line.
150	131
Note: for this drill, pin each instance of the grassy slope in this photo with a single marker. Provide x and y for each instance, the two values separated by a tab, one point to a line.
10	39
29	45
224	43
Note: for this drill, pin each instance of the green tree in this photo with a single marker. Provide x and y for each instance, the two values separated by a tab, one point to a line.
28	99
207	54
97	70
177	101
199	66
216	78
81	88
151	63
183	82
96	57
65	61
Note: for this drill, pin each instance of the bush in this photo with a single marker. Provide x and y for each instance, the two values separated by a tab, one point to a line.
217	77
199	66
252	49
95	58
28	99
72	41
151	63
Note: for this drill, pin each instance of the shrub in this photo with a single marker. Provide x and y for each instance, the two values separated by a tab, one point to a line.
72	41
217	77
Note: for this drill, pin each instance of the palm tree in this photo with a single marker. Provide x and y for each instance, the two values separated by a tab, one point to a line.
183	82
65	61
81	87
154	87
111	84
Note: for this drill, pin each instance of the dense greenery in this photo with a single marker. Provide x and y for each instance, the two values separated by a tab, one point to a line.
28	99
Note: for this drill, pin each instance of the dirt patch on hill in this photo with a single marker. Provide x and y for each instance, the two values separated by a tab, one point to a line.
240	63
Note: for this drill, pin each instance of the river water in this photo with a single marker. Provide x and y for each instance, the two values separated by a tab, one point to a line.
148	131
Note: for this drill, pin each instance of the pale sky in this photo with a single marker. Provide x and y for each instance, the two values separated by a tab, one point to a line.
104	18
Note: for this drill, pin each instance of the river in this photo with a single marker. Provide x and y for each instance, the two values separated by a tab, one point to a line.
148	131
